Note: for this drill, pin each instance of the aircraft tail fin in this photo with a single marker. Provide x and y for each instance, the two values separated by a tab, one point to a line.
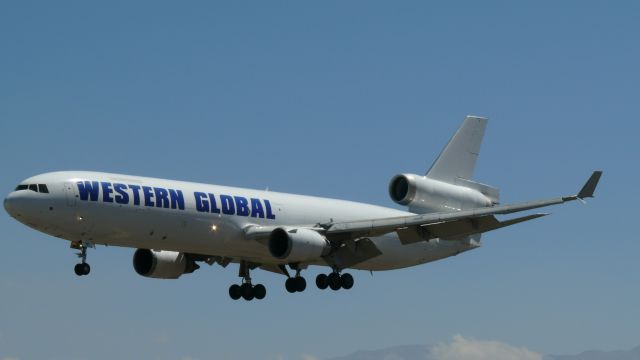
458	159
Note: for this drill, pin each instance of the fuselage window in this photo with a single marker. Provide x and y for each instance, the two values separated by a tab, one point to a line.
33	187
43	188
22	187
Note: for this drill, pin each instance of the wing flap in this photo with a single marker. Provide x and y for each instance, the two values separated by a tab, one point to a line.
457	228
352	253
274	269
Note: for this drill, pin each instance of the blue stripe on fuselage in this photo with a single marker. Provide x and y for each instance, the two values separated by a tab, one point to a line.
138	195
233	205
122	193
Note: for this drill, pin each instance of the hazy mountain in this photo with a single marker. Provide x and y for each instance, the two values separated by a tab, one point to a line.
633	354
423	352
405	352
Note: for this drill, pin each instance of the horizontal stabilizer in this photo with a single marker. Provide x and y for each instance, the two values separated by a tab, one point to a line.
490	192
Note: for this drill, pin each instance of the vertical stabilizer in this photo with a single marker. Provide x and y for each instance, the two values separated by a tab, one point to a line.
458	159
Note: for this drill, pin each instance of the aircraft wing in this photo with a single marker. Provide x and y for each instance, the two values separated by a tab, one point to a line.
451	224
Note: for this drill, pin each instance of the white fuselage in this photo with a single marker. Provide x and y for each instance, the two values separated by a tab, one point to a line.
140	212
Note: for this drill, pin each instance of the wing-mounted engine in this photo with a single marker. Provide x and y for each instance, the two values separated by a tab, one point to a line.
424	195
297	244
303	245
162	264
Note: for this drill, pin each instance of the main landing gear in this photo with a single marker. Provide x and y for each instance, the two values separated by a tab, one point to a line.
246	290
295	284
335	281
83	267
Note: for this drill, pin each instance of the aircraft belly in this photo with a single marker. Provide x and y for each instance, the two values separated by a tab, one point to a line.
396	255
168	230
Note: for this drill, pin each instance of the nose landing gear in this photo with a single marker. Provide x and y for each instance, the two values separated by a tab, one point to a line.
83	267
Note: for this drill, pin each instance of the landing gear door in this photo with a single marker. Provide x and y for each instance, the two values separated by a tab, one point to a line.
70	193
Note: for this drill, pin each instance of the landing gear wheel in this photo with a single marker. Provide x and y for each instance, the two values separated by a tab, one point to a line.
247	291
78	269
290	285
259	291
234	292
82	269
300	283
334	281
322	282
347	281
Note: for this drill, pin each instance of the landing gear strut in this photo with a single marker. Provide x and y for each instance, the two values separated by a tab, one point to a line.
335	281
83	267
246	290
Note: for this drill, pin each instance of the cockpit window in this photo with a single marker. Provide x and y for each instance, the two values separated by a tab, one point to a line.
41	188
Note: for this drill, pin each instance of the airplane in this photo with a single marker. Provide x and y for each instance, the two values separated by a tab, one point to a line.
174	225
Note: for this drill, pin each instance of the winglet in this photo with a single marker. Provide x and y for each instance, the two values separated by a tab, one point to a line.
590	186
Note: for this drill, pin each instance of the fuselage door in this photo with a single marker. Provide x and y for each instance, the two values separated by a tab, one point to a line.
70	193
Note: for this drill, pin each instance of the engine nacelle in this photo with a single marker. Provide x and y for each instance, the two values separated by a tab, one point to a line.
162	264
297	245
423	194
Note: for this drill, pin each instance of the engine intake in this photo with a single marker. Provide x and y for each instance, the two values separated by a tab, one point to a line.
162	264
399	189
296	245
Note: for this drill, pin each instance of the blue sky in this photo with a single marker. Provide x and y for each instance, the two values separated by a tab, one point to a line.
331	99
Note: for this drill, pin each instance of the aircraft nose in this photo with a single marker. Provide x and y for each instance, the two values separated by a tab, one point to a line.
18	204
7	204
24	206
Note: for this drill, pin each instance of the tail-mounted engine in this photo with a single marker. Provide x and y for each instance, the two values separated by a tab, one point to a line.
162	264
423	194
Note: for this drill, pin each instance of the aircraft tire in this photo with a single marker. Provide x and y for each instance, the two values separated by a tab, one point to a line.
247	291
334	281
290	285
301	283
78	269
259	291
322	282
234	292
347	281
